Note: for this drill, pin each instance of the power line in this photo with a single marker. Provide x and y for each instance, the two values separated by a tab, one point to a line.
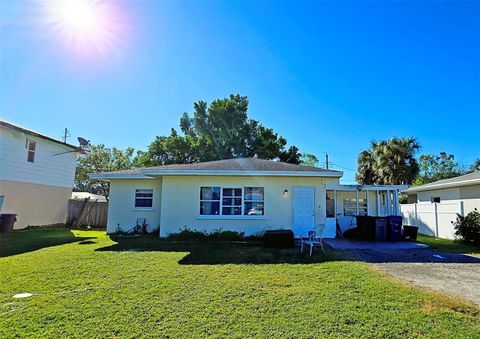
343	167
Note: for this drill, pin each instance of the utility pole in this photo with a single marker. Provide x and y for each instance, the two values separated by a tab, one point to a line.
326	159
66	134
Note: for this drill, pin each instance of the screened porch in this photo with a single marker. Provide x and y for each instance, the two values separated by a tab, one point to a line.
344	202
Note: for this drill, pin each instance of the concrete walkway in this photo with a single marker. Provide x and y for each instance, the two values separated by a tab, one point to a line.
460	279
345	244
453	273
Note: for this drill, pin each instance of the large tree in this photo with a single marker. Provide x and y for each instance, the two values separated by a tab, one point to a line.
100	159
433	168
221	130
308	159
388	162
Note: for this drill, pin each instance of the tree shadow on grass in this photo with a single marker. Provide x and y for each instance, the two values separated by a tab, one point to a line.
221	253
35	238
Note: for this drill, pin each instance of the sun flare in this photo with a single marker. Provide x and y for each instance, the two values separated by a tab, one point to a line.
79	17
87	27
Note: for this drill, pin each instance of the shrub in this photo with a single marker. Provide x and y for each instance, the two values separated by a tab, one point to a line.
468	227
219	235
187	234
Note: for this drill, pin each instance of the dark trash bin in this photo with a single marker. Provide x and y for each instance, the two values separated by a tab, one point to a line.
7	220
278	239
394	229
365	227
410	232
381	229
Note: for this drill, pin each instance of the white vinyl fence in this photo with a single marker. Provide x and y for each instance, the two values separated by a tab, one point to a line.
433	218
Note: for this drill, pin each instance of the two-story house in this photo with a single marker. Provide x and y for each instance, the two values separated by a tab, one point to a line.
36	175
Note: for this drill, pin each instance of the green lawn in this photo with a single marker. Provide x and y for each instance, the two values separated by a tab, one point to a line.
448	245
88	285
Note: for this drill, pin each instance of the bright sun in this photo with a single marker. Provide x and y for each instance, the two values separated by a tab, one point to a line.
79	17
87	27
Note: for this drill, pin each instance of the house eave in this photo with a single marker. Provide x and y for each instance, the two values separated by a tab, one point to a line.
109	176
152	174
340	187
26	131
432	187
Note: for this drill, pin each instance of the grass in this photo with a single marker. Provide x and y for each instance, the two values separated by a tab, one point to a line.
95	286
448	245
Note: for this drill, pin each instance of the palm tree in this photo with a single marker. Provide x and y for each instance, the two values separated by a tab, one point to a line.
389	162
475	166
365	173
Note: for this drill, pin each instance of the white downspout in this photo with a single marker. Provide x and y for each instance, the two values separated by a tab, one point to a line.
378	203
356	200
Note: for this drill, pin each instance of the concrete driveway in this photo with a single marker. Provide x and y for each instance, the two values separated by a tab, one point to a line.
453	273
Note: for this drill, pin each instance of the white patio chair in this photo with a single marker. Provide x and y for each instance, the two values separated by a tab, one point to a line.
313	238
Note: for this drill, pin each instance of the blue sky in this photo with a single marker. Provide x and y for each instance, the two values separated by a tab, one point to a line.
328	76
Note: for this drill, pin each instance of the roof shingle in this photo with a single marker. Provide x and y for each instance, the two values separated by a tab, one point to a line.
242	164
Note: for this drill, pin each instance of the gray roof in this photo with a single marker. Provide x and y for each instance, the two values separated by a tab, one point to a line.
242	165
463	180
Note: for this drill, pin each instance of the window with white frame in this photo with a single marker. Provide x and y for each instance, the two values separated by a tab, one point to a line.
232	201
350	206
254	201
30	146
227	201
210	200
143	198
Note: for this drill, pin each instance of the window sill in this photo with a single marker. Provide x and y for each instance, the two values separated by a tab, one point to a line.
231	217
147	209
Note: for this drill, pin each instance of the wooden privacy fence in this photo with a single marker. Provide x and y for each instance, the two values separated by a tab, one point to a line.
87	213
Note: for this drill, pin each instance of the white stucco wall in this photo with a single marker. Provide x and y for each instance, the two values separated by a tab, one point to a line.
181	203
468	195
444	194
121	206
34	204
176	203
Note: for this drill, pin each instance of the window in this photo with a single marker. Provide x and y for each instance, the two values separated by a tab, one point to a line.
435	199
254	198
209	200
30	145
350	206
231	201
144	198
330	195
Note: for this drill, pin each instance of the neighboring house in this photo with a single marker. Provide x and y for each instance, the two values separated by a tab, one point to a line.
91	196
36	175
434	206
247	195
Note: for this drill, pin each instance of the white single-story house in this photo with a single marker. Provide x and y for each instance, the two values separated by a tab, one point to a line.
37	174
432	207
247	195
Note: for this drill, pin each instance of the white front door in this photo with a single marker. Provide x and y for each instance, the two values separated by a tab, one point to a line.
303	210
